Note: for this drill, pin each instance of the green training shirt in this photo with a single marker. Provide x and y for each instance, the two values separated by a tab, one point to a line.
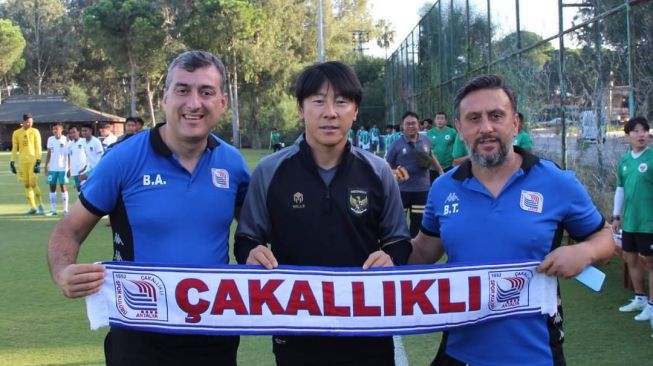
636	177
459	148
523	140
442	142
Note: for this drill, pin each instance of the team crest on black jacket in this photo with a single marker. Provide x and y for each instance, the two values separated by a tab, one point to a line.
358	201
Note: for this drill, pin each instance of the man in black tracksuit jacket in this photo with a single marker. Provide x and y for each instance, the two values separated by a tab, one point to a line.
322	202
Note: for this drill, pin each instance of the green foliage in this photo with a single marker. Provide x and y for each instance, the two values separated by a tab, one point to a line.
51	50
12	44
77	95
132	35
371	73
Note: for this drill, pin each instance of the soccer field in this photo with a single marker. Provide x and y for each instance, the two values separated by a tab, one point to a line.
38	326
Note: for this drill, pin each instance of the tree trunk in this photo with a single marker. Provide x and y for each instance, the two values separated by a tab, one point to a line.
150	97
132	83
233	90
37	39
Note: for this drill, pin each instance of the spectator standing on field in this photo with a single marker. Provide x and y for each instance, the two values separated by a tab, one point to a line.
93	149
77	157
324	202
133	125
107	138
633	214
374	138
442	138
459	152
275	140
413	152
56	166
522	139
185	220
26	147
502	205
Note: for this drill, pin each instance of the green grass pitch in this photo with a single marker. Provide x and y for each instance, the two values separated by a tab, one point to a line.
38	326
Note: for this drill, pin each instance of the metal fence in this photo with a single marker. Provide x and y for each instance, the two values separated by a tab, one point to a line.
602	50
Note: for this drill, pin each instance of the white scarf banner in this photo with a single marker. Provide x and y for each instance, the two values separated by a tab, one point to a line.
248	300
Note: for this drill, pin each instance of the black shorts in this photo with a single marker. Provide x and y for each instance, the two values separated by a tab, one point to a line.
129	347
641	243
328	351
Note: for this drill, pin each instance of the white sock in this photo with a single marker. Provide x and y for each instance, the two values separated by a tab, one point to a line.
64	200
53	201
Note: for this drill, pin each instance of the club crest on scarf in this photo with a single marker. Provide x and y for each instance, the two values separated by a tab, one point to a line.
140	296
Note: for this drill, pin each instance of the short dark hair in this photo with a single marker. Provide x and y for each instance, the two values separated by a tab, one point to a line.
633	122
72	127
441	112
57	124
27	116
480	83
134	119
195	59
428	120
87	125
104	125
409	113
340	77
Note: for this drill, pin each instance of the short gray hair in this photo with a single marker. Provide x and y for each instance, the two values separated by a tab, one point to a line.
195	59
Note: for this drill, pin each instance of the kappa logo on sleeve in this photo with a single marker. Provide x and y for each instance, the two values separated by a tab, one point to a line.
140	296
531	201
220	177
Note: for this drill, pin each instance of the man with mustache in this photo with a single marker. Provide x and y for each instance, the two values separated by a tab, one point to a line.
506	205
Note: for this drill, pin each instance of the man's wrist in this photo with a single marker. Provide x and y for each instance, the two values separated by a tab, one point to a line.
616	217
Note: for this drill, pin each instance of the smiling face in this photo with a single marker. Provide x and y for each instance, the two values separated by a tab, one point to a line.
193	103
327	117
87	133
487	125
410	126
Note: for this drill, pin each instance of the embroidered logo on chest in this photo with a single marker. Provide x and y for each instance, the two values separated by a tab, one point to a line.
531	201
220	178
643	167
298	200
358	201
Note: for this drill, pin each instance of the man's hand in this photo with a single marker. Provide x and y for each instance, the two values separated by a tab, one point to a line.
566	261
262	255
401	174
37	166
12	167
378	259
616	225
78	280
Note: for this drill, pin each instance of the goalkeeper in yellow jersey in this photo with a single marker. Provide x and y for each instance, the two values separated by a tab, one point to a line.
26	143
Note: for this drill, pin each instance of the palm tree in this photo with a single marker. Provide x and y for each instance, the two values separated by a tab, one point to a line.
385	34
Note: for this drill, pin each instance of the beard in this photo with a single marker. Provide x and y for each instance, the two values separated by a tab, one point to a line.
491	161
